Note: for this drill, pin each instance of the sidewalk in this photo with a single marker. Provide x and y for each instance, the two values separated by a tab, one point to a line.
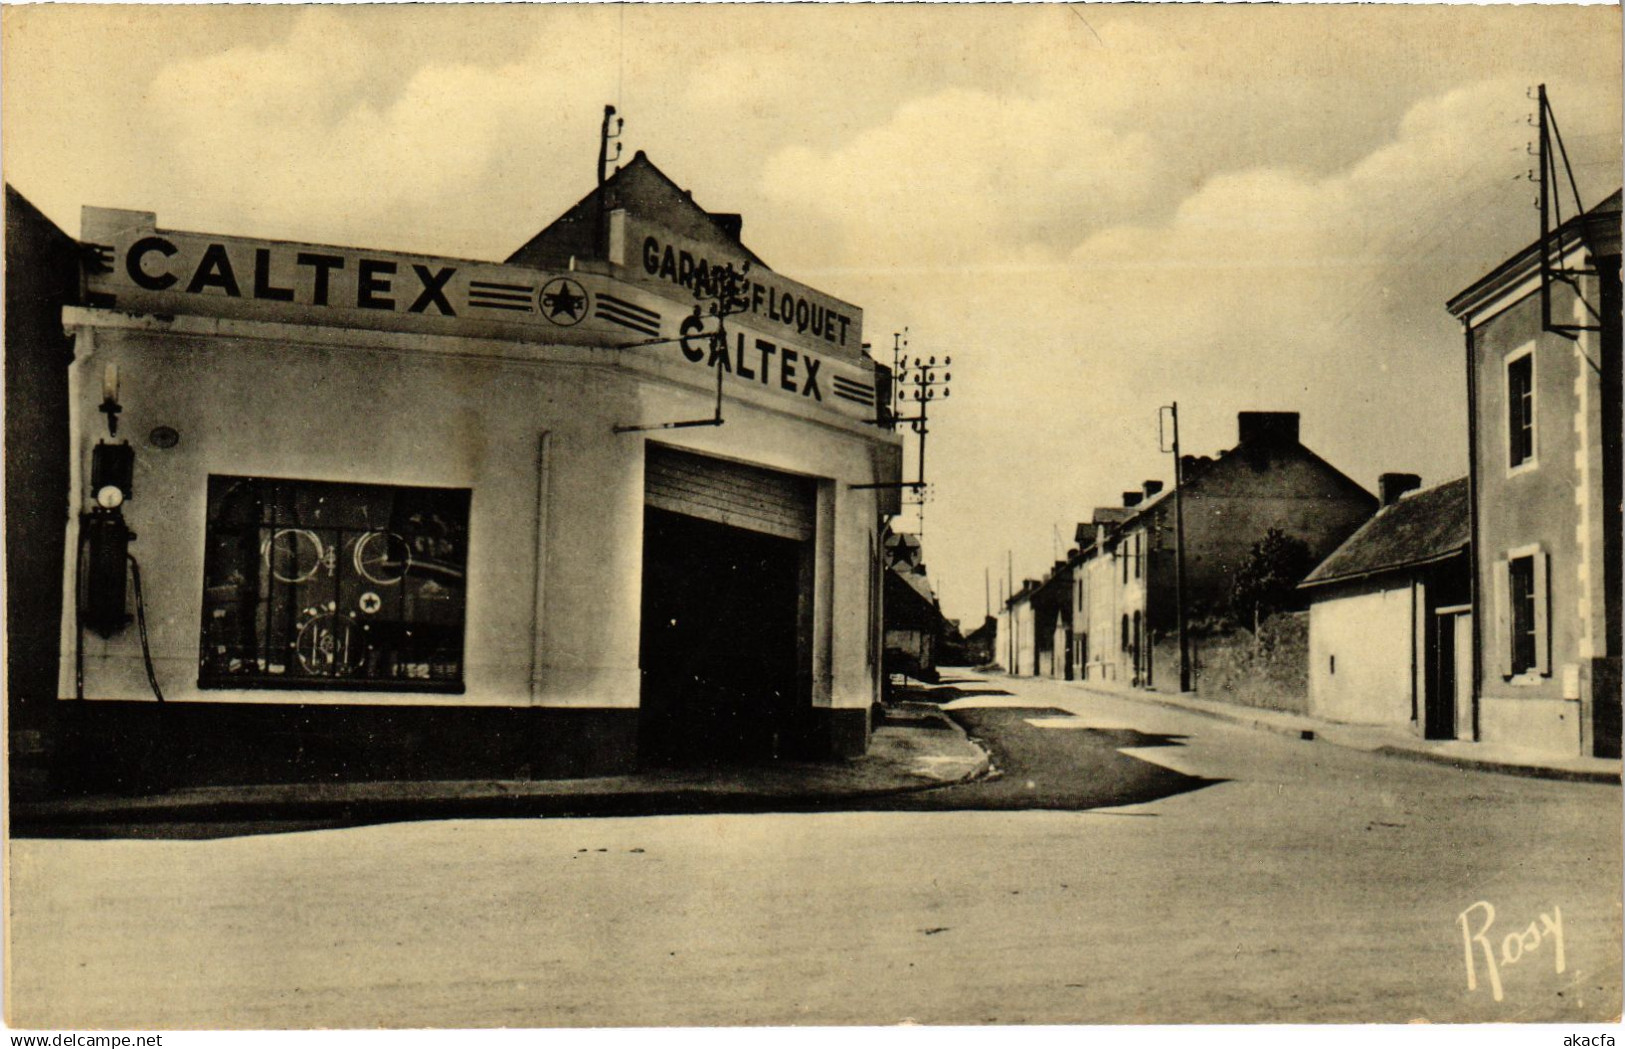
1457	753
916	747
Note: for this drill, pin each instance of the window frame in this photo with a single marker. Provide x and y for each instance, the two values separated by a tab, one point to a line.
283	592
1540	598
1523	640
1531	461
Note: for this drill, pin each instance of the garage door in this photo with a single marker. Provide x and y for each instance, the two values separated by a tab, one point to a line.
729	493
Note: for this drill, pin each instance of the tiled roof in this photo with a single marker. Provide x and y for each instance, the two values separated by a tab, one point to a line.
1424	527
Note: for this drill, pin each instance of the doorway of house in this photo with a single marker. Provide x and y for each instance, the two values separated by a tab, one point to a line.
1449	654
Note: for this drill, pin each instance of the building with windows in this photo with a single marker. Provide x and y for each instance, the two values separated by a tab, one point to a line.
1123	585
1390	624
1101	602
1017	648
613	501
1542	334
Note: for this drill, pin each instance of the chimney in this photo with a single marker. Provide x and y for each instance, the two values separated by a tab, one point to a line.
1132	498
729	222
1152	488
1267	428
1392	486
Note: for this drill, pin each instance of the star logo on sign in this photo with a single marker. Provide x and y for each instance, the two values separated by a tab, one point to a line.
564	302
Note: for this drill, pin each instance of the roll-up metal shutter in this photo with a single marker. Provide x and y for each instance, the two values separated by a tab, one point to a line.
729	493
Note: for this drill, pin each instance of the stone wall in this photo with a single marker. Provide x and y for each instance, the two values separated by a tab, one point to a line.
1270	670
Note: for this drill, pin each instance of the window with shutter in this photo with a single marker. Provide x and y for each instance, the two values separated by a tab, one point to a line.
1542	613
1498	653
1521	591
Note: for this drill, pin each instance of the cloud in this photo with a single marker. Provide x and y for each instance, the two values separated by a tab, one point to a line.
960	176
295	137
1271	287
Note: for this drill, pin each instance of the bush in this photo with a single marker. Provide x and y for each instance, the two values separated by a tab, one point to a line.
1267	582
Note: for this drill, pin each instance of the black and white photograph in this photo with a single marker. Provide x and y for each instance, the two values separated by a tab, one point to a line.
830	515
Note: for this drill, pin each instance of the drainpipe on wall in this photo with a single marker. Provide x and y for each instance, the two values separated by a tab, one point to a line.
1475	553
1416	713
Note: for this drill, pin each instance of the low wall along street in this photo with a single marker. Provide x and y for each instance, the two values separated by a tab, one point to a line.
1270	671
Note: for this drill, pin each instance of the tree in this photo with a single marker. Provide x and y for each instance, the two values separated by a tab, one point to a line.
1267	581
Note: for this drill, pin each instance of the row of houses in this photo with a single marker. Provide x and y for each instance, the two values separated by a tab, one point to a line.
1485	608
1108	612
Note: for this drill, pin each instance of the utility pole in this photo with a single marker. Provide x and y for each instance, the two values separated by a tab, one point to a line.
927	382
1010	567
1179	554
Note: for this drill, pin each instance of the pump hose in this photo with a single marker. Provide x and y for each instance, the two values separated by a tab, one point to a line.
141	623
79	615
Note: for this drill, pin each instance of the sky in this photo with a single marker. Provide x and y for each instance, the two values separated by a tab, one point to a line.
1095	210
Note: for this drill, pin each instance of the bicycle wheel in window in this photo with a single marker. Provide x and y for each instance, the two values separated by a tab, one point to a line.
382	558
293	554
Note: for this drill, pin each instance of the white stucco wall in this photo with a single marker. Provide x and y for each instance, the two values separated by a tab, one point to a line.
1369	637
555	532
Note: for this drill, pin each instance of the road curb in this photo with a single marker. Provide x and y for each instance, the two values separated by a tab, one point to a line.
932	712
1506	767
984	764
268	804
1237	717
1330	733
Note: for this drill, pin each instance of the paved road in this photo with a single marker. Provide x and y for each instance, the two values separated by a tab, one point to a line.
1247	877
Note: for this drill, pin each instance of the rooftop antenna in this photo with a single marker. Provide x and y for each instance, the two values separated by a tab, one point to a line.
1553	237
606	135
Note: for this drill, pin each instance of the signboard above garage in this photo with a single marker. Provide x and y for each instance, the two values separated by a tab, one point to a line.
813	356
790	310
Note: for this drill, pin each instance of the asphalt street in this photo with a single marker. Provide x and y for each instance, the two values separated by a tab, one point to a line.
1129	863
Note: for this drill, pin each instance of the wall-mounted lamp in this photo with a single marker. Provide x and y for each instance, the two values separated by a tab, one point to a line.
110	405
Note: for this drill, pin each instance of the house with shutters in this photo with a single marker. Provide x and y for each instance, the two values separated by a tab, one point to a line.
1542	348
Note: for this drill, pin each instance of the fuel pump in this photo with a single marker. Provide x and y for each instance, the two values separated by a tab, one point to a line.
105	565
107	539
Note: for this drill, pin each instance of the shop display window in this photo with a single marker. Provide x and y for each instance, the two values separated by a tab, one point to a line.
316	585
